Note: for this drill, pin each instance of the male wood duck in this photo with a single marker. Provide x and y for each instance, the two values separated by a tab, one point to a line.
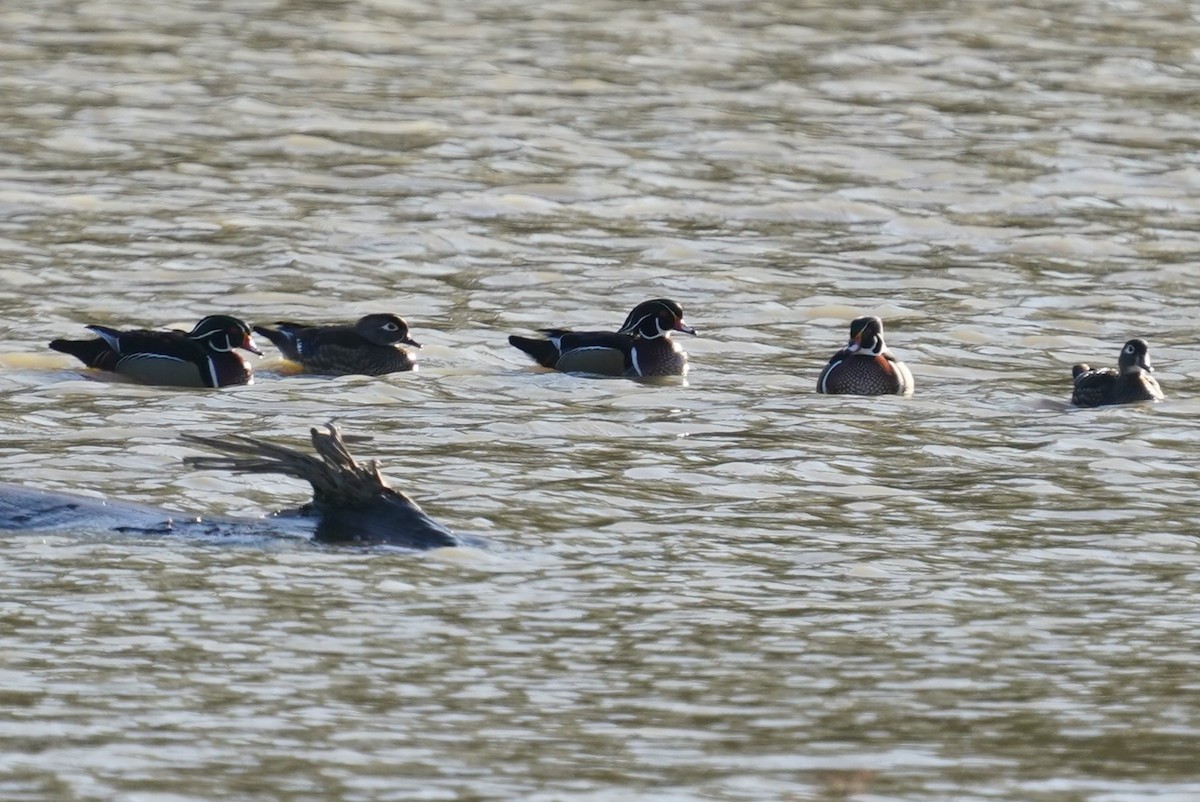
370	347
1129	382
641	347
202	357
865	366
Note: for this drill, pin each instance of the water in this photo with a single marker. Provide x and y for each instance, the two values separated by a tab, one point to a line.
730	590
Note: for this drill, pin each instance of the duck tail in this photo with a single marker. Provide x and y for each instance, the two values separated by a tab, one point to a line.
94	353
544	351
282	337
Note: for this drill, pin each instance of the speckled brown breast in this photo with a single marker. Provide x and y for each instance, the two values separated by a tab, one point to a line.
661	356
864	374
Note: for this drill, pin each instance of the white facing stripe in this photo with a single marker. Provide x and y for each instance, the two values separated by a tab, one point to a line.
825	375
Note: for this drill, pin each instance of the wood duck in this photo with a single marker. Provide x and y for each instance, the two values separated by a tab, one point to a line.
1129	382
865	366
641	347
370	347
202	357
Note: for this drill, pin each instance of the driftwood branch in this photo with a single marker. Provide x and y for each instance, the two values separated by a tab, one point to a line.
336	477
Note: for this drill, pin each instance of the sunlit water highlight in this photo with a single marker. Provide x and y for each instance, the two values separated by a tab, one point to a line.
734	589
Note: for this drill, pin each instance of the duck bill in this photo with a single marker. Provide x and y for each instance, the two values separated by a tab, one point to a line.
411	341
248	344
685	328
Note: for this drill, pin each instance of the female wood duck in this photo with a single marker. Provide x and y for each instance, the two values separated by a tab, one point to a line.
865	366
370	347
202	357
641	347
1129	382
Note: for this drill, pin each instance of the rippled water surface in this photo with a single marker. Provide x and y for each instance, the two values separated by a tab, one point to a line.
733	589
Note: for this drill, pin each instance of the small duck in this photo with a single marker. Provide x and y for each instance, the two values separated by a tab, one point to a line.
865	366
641	347
371	347
202	357
1129	382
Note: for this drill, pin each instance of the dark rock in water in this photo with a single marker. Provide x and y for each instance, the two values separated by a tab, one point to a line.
351	501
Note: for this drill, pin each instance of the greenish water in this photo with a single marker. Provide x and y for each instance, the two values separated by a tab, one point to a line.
734	589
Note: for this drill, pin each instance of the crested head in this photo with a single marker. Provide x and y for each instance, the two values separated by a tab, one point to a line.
657	318
1135	354
385	329
866	335
223	333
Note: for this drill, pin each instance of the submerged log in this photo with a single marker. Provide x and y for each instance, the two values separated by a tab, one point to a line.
352	503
